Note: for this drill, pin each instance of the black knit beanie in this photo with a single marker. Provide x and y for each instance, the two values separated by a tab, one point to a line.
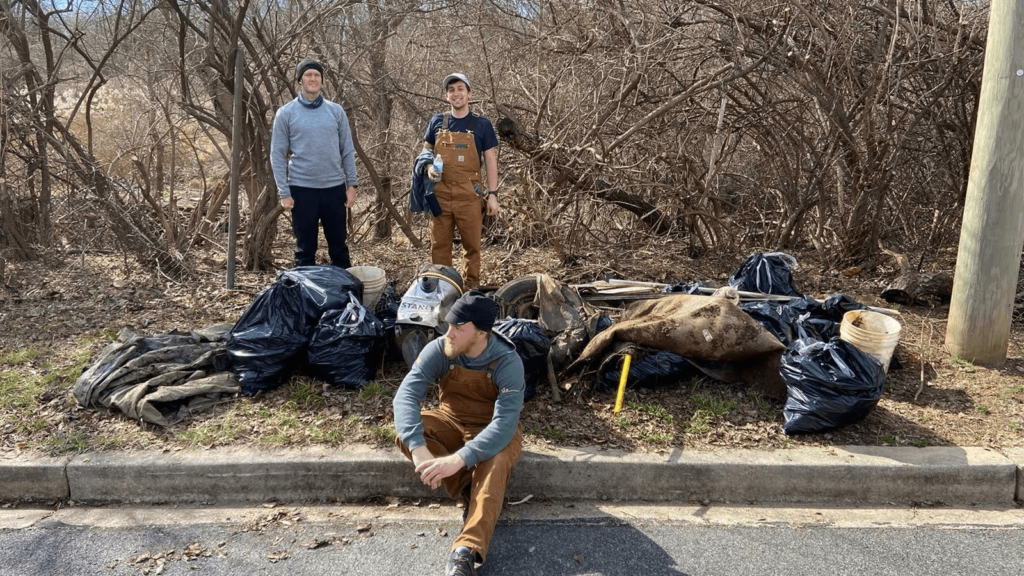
305	64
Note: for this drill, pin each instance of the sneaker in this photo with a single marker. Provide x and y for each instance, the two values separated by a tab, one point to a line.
461	563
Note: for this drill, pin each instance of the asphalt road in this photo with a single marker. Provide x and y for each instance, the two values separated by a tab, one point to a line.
656	541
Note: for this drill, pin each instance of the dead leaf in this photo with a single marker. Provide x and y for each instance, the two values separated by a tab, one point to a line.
316	543
277	556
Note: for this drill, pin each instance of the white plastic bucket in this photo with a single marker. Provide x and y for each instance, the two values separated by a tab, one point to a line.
872	332
374	280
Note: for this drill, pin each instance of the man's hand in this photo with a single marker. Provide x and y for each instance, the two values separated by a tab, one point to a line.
350	197
288	203
492	205
432	174
421	455
434	470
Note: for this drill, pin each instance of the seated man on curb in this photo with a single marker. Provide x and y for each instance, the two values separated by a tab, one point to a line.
471	441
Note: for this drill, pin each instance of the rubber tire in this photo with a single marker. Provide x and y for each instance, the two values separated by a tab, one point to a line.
515	298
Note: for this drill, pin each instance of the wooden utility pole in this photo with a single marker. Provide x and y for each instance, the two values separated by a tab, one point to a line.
992	236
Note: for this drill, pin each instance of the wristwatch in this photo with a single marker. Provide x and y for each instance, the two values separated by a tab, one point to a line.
492	193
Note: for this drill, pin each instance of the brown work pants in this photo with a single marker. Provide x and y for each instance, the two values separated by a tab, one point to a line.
461	206
465	395
465	210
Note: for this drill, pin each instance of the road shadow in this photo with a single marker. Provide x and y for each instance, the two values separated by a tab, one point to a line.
603	545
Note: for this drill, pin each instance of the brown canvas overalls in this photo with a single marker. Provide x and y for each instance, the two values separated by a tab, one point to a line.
460	204
467	406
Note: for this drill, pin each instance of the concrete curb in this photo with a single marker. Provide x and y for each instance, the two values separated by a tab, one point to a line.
34	479
851	474
1017	456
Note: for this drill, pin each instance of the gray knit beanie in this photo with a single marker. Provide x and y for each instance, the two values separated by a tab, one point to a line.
305	64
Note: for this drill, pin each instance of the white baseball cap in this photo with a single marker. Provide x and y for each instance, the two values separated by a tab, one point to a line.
452	78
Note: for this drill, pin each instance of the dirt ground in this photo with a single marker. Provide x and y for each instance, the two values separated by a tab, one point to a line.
55	314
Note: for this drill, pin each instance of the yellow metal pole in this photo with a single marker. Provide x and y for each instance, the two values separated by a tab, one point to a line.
622	382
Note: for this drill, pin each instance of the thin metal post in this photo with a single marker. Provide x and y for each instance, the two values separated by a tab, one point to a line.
236	154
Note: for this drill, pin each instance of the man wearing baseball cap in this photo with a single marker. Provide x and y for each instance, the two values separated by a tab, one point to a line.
314	166
462	139
471	441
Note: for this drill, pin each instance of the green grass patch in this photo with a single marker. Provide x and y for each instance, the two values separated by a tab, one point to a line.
1013	425
714	406
958	361
279	437
286	427
330	433
622	422
19	391
374	390
920	443
762	403
659	412
212	433
888	439
386	434
553	433
19	356
982	408
63	443
700	423
305	394
30	425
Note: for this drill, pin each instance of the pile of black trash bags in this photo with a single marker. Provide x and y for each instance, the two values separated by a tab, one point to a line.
829	382
311	319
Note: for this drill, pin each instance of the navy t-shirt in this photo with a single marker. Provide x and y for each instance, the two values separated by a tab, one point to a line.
483	131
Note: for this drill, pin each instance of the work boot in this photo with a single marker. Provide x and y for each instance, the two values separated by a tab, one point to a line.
462	562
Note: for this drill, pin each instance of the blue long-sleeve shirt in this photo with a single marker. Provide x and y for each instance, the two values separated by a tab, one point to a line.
312	147
432	364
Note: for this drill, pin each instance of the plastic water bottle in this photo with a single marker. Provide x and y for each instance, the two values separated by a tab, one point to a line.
438	167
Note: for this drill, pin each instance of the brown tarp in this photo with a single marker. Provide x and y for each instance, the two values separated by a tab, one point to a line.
714	333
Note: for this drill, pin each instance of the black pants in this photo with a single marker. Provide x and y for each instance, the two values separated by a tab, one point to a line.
314	206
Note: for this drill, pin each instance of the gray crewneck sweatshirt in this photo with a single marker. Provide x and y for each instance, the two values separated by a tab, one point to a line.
432	365
312	147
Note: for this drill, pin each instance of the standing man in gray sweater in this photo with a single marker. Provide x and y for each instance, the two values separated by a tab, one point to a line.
314	166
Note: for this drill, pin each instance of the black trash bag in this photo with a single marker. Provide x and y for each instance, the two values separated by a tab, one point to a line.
828	385
648	368
836	305
767	274
532	345
386	311
790	321
323	288
820	329
347	345
776	317
267	342
603	323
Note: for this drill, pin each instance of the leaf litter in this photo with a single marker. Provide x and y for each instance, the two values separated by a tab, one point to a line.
64	312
